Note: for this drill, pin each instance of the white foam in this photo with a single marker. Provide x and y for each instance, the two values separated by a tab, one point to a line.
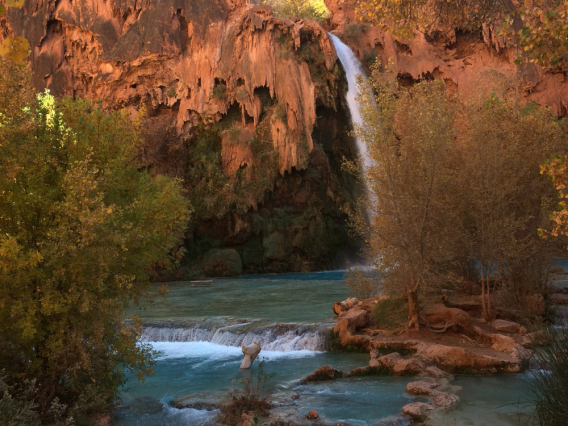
268	338
216	352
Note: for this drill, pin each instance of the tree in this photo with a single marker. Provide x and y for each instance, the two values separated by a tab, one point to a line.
501	145
308	9
408	134
538	28
81	225
455	186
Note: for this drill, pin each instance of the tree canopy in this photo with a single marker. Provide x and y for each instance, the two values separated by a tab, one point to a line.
81	225
456	187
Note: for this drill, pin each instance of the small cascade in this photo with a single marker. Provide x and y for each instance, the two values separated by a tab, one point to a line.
283	338
353	69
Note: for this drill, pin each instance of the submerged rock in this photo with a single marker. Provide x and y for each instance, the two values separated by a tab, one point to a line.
418	411
312	415
325	372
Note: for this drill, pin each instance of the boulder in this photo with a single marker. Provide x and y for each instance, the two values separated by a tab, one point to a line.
535	338
421	387
435	372
558	299
418	411
222	263
337	308
350	321
457	359
445	400
505	326
440	315
386	361
325	372
275	247
502	343
312	415
413	365
251	352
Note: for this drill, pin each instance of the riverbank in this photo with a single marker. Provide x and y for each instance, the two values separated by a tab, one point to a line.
199	333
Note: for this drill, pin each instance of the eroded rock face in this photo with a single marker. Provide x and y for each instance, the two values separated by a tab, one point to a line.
188	59
464	61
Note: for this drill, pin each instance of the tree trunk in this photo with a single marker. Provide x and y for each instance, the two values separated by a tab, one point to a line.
413	312
485	293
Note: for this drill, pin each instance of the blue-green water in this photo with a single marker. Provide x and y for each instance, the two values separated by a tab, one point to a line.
193	362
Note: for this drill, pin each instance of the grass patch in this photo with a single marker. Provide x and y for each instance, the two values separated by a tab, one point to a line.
391	314
550	386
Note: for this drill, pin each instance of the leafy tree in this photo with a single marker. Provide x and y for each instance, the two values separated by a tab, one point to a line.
500	148
81	225
308	9
455	183
408	135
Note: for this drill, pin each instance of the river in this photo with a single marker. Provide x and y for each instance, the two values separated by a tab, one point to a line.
200	329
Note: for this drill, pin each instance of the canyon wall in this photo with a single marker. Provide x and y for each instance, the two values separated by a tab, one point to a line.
244	107
464	60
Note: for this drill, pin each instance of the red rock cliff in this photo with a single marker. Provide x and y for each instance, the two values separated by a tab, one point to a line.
462	60
190	60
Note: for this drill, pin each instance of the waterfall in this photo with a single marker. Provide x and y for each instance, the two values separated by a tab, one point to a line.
353	68
284	337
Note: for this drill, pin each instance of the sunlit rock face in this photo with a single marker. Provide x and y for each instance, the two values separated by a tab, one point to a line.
466	61
190	60
219	79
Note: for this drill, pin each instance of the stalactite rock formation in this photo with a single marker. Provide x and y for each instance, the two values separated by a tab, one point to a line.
185	59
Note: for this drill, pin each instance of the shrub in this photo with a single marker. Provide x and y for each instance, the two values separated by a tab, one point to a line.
253	396
550	384
391	313
220	91
82	226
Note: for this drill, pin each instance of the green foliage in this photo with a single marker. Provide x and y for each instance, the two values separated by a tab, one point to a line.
550	384
220	91
391	314
307	9
81	225
17	406
171	92
370	57
214	193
